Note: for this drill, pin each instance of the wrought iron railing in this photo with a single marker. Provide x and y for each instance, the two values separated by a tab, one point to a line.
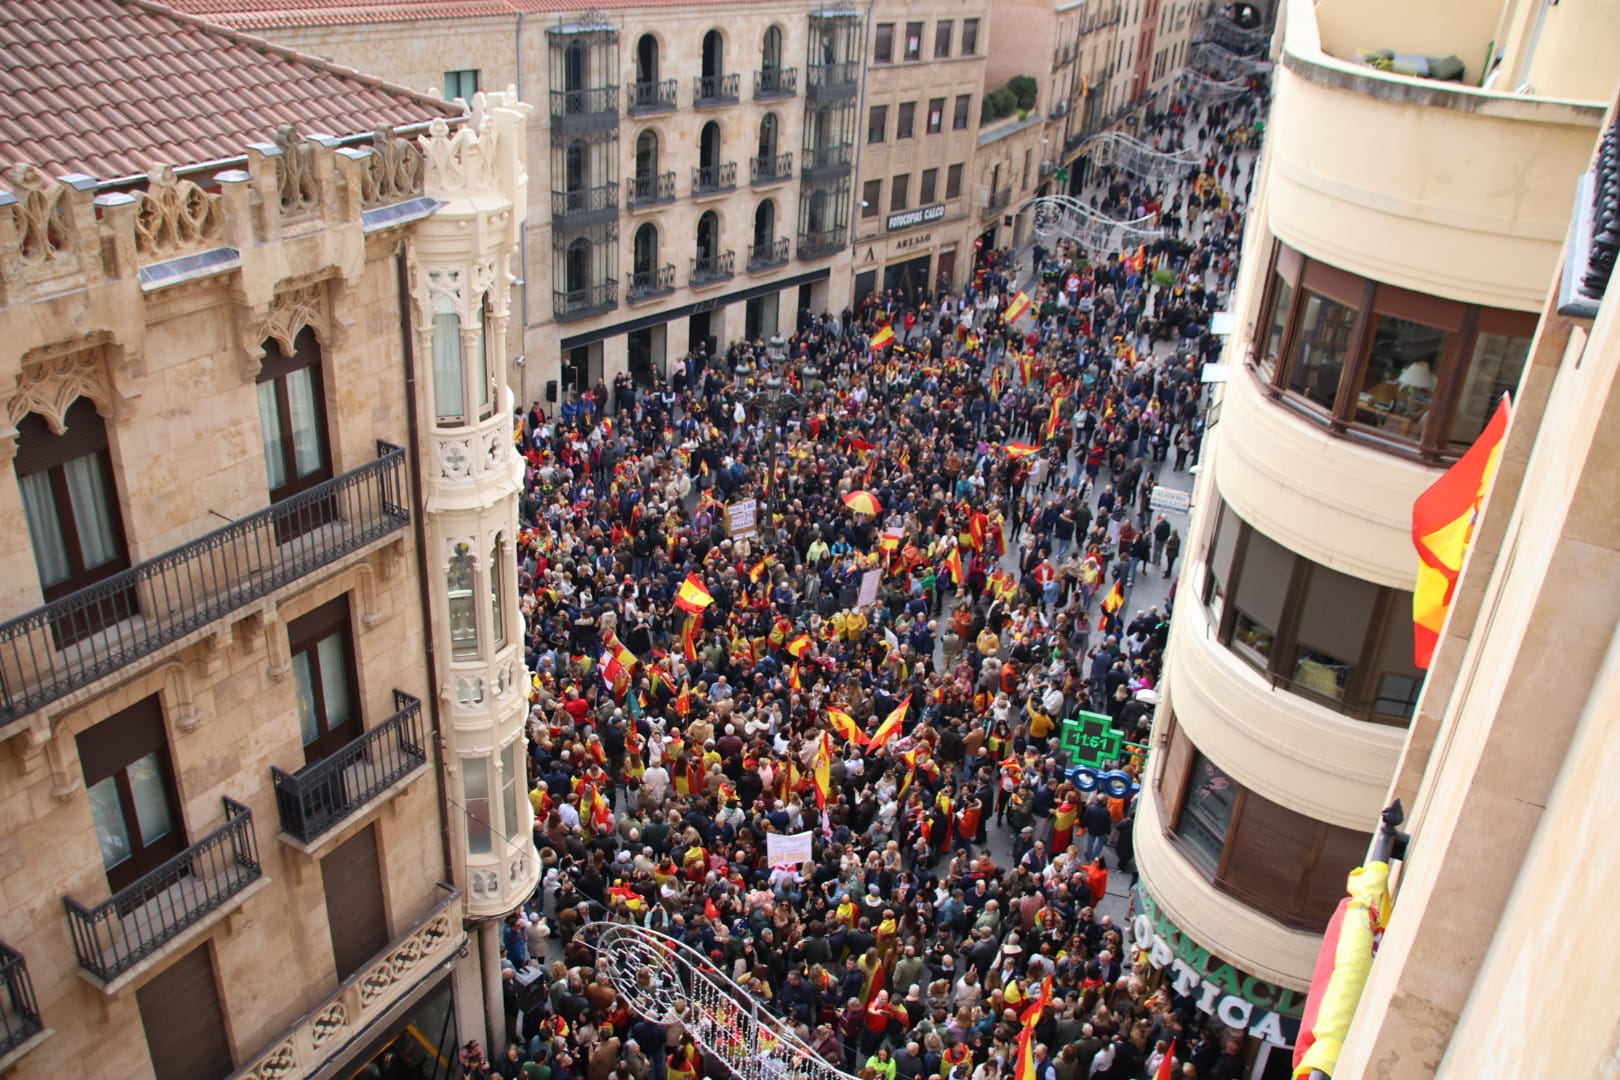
772	169
70	643
822	242
320	795
651	96
583	110
575	208
708	179
581	303
1000	199
828	161
776	82
655	282
710	268
765	256
715	89
651	190
137	921
19	1012
829	81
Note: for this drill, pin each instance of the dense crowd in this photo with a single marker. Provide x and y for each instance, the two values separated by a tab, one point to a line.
698	687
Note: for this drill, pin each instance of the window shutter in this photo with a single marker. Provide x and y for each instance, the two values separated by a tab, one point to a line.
185	1026
1269	851
354	902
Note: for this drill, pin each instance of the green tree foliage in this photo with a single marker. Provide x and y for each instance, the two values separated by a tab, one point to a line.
1025	90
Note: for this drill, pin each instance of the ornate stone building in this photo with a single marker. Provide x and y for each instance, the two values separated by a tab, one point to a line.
261	750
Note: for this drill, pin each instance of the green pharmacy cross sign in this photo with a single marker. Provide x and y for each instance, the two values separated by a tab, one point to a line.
1091	740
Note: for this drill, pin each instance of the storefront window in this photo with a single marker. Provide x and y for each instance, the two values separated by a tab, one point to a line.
1493	370
1324	341
1397	385
1207	815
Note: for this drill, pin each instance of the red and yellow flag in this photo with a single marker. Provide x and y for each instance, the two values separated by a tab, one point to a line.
1442	526
891	725
1115	599
1054	416
821	770
799	646
953	563
883	338
689	639
692	596
1016	450
1016	310
845	725
794	682
1342	967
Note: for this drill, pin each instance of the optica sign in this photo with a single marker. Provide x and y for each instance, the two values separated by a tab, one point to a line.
1238	1000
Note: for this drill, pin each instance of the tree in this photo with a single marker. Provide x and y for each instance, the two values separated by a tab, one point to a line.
998	103
1025	90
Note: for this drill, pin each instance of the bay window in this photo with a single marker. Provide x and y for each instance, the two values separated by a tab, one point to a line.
463	609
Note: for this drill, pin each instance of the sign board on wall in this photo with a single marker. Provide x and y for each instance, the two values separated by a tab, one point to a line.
907	219
742	517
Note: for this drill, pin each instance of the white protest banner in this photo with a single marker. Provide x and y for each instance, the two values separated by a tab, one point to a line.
869	588
788	850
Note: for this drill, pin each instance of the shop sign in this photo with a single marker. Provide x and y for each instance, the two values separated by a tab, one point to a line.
906	219
1238	1000
906	243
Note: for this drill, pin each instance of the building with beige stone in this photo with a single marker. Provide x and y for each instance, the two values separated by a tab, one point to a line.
261	704
694	162
1383	308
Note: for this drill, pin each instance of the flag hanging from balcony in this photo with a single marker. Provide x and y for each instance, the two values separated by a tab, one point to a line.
1015	310
1443	524
1342	966
692	596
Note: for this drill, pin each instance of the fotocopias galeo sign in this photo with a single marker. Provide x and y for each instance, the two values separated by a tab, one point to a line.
1235	998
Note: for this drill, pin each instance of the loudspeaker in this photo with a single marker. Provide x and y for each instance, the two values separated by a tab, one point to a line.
551	390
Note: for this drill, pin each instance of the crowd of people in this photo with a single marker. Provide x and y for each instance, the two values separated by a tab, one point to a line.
702	681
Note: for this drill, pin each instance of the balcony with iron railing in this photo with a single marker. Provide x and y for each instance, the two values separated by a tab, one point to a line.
585	207
651	190
649	284
714	179
71	643
20	1024
709	269
775	169
999	200
574	112
832	82
571	304
768	256
828	162
321	795
776	83
711	90
820	243
651	96
197	885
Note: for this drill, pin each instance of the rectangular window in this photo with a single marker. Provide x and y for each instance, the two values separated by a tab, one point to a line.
936	115
905	120
475	800
1335	616
71	508
877	124
322	652
1207	813
497	594
970	37
1323	341
462	605
1279	323
872	199
292	419
927	191
883	44
953	182
899	191
942	38
130	782
1397	386
486	389
963	114
914	33
1258	596
514	786
1493	370
461	84
449	394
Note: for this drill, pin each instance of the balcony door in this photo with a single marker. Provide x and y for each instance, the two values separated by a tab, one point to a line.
647	59
714	59
764	228
133	799
292	421
646	255
322	651
767	144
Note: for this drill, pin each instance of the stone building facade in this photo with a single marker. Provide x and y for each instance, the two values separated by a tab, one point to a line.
237	731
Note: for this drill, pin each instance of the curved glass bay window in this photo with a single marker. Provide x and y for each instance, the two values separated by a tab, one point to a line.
1282	863
1402	370
1335	639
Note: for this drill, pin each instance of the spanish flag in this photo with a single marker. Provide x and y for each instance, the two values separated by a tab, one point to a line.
890	726
692	596
757	571
953	563
1139	260
799	646
794	682
1026	368
821	770
883	338
1115	598
1442	526
689	639
1016	450
845	725
1015	310
1342	967
1054	416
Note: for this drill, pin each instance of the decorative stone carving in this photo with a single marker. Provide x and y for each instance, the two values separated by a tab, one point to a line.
454	458
299	188
463	161
393	172
44	224
280	1063
469	691
175	217
328	1023
296	305
53	379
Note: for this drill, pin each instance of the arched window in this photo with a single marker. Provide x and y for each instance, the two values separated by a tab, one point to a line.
646	249
709	147
817	222
576	68
770	53
647	59
292	412
767	140
577	166
646	160
714	55
70	501
764	225
577	272
708	236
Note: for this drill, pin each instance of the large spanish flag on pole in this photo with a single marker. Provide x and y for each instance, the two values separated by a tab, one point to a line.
1442	526
1342	967
692	596
1016	309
